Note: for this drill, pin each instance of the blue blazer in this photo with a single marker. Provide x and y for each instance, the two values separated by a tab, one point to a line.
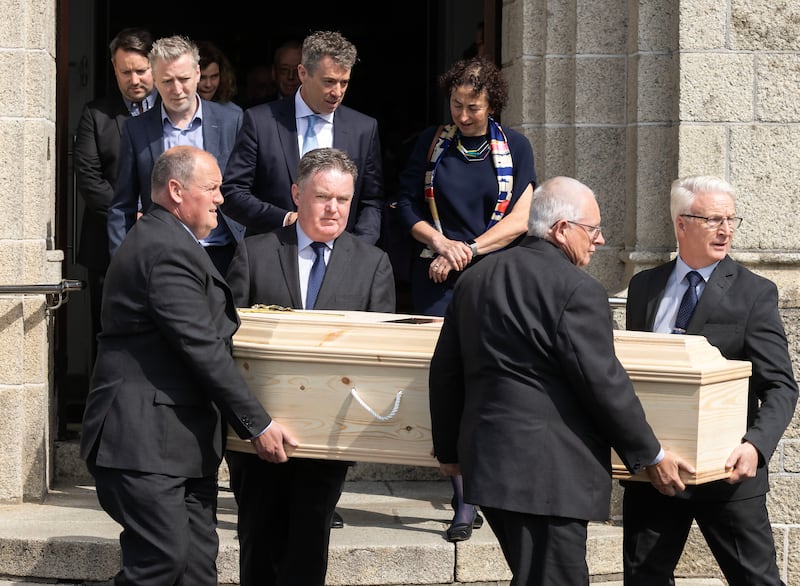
257	183
142	143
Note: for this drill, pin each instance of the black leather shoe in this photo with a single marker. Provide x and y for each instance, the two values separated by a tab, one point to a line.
463	531
337	522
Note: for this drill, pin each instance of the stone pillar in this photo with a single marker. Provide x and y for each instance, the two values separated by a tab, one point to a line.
627	95
27	255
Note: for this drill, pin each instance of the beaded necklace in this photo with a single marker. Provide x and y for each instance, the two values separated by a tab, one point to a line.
473	155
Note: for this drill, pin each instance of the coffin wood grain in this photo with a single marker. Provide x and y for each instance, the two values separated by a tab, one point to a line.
305	365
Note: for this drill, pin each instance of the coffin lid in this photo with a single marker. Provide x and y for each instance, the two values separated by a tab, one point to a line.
351	336
675	358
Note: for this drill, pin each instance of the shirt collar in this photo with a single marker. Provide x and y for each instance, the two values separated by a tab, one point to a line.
198	114
303	241
147	101
302	110
681	268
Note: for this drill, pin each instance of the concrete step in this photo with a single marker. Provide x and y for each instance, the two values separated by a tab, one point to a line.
395	519
393	534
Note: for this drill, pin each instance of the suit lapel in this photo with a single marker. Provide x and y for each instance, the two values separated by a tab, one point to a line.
288	259
336	270
155	134
717	287
342	135
655	291
287	134
211	130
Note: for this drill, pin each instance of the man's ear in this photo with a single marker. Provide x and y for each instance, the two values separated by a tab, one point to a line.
295	194
175	190
559	231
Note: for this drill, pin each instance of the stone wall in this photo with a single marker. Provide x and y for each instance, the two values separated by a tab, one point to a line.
627	95
27	255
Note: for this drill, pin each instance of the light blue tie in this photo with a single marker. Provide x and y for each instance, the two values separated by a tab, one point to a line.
310	137
316	275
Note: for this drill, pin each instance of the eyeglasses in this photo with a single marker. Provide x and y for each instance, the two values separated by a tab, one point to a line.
715	222
592	231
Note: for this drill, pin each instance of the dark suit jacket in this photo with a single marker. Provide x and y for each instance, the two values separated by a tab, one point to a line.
142	143
358	276
737	313
258	179
95	159
526	391
164	369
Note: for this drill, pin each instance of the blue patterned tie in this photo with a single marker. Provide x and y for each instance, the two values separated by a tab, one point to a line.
316	275
688	303
310	137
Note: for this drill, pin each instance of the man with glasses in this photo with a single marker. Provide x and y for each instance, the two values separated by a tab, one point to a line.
526	351
737	311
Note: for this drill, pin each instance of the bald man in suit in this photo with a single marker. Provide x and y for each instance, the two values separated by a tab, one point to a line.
165	383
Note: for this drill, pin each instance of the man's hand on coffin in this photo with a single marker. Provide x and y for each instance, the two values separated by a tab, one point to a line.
270	445
743	463
665	476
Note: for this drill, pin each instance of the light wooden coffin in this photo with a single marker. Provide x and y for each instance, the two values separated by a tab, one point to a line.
349	385
354	386
694	399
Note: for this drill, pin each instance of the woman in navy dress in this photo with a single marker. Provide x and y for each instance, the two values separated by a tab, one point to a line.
465	193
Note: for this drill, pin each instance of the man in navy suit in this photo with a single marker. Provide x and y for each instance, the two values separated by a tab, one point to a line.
526	353
285	511
183	119
165	383
96	152
737	312
257	183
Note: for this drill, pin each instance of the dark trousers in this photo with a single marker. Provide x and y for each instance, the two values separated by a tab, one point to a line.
656	527
284	520
541	550
168	523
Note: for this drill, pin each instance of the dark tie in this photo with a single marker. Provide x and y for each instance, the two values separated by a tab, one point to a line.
316	275
310	137
688	303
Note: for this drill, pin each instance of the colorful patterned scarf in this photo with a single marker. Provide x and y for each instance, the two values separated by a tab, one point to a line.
501	159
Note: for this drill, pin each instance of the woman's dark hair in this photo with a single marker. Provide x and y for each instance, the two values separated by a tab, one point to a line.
480	74
210	53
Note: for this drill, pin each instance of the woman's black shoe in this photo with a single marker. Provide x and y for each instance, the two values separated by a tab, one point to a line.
463	531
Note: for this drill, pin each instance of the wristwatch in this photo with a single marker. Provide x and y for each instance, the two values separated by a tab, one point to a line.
473	246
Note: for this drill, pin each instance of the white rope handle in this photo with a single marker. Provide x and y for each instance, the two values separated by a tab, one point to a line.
372	412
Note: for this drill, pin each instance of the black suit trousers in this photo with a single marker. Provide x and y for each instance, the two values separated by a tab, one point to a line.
285	513
541	550
656	527
169	526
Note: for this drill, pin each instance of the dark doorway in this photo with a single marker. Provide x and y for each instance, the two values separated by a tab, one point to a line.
402	49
